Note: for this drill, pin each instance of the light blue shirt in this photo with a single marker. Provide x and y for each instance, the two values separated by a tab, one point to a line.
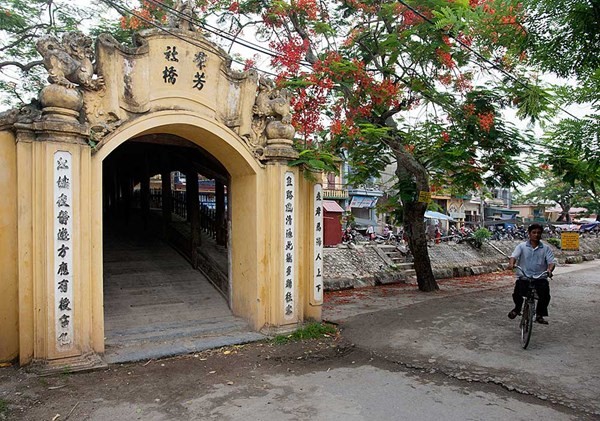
533	260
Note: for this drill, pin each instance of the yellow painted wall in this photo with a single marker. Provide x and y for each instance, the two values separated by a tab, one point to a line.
9	318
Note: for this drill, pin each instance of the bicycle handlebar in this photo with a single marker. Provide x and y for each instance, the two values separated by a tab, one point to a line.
544	274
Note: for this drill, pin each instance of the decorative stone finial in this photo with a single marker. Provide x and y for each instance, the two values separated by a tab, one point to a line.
70	67
272	119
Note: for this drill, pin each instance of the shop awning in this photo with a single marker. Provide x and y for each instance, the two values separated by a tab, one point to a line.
332	206
363	201
437	215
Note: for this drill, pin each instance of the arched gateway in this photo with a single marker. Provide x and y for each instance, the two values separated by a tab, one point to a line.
90	147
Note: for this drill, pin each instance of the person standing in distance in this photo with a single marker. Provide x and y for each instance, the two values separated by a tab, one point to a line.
534	257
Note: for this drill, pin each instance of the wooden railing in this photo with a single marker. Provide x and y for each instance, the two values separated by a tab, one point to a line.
179	203
208	221
208	215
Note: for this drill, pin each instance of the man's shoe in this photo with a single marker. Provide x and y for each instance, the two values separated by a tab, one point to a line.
513	313
541	320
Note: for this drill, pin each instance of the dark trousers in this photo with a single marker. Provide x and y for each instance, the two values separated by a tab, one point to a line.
543	290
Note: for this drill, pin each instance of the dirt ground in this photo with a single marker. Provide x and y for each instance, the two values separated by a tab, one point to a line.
168	382
160	389
165	383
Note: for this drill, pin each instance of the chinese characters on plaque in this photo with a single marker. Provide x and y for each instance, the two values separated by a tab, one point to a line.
288	246
170	75
318	258
63	250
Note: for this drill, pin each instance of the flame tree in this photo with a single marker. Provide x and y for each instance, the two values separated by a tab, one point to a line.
363	70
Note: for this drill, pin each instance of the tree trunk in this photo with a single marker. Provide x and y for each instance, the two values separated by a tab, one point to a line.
565	215
410	171
414	226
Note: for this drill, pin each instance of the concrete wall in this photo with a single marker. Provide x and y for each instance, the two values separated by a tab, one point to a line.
9	317
362	266
355	267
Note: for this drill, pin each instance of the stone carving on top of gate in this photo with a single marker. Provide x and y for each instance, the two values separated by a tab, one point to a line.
96	87
69	62
70	67
272	121
184	16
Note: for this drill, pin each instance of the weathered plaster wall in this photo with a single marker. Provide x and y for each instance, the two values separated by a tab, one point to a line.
9	319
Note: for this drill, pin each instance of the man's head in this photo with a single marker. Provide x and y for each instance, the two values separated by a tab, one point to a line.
535	227
535	233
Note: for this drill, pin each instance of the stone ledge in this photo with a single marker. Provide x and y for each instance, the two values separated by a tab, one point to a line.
86	362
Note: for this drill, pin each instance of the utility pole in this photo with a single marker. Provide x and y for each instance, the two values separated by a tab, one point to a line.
481	208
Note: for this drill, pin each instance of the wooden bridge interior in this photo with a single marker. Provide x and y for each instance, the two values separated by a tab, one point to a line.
166	285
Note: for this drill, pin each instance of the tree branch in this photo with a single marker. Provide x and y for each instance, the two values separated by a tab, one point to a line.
26	35
24	67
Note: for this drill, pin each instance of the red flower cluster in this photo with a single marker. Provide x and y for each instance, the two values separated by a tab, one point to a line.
465	39
463	83
469	109
249	64
445	78
234	7
445	58
486	121
475	3
292	51
139	17
364	7
307	8
307	105
410	18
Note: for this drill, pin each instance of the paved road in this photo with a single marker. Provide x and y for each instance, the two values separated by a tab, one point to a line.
469	336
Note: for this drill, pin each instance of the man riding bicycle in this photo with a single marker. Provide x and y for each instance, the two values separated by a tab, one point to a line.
534	257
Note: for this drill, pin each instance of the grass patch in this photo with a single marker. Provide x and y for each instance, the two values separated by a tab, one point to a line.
65	372
554	241
3	407
310	331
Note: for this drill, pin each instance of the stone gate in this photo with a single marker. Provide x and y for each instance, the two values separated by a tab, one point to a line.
171	90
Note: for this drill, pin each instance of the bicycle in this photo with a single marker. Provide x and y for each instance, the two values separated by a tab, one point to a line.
529	304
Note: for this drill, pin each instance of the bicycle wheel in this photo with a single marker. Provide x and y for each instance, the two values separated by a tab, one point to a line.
527	323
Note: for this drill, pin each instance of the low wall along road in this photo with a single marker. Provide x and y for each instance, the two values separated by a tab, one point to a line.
367	265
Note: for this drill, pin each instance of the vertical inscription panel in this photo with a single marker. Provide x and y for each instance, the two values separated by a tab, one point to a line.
63	251
318	245
289	240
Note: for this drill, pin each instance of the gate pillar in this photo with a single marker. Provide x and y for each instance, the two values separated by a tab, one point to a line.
56	300
291	241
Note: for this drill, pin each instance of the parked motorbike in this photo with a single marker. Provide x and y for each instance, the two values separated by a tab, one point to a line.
349	236
390	238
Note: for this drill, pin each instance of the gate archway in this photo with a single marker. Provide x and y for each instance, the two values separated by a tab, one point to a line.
245	182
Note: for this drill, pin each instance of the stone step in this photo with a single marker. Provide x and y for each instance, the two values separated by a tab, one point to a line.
387	247
405	265
167	347
168	331
391	254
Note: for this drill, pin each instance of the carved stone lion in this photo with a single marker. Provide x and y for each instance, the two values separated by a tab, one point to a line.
69	62
271	102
